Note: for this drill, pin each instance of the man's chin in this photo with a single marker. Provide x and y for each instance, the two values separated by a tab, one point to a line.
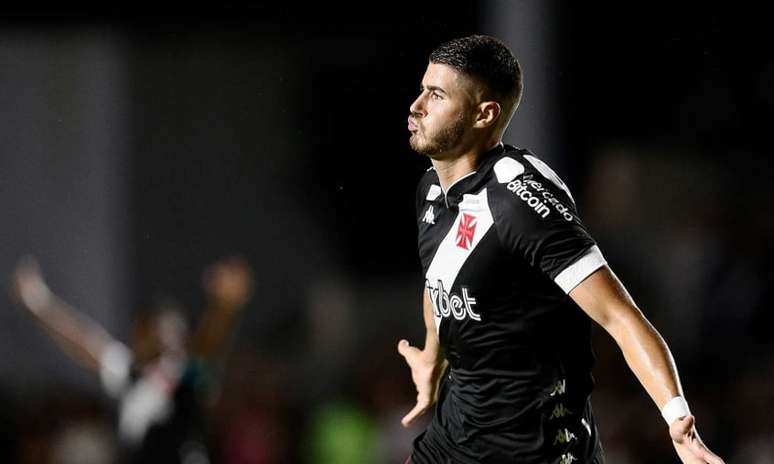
419	147
414	144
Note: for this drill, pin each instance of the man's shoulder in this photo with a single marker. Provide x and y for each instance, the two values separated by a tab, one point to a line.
524	187
513	162
508	164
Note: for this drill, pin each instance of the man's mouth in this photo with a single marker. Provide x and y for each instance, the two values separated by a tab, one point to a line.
412	126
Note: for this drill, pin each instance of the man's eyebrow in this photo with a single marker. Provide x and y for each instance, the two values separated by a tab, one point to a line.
434	88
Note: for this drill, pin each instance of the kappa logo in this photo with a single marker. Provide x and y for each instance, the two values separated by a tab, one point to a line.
564	436
559	388
429	216
559	411
567	458
466	231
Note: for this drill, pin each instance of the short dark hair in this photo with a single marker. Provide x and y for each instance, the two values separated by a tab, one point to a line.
487	60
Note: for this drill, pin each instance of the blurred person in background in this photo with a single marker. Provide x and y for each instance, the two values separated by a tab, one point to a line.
512	278
161	381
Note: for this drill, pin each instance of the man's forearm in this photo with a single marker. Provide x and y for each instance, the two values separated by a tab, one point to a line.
647	355
213	330
76	334
603	297
432	343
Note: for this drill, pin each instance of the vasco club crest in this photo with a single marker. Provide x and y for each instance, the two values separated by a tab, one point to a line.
466	230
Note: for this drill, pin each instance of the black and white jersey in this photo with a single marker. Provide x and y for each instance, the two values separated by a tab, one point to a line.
500	251
161	413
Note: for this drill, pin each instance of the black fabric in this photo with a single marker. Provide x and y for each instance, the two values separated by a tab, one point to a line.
181	437
518	347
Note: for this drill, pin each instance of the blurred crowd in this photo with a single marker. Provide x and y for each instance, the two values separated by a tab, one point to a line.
687	235
329	387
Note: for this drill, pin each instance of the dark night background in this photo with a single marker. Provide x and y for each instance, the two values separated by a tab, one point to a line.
136	148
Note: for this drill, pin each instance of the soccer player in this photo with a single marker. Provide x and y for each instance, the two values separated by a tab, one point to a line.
160	381
512	277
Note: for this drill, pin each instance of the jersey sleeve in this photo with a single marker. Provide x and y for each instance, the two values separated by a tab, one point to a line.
114	367
536	219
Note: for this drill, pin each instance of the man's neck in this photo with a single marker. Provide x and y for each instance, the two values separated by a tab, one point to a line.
453	169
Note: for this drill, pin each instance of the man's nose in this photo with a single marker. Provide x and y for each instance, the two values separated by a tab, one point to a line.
417	108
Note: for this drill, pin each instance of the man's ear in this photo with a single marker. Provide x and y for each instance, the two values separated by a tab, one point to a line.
488	114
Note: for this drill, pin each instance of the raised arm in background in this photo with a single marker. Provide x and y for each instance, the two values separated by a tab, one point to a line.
229	286
78	335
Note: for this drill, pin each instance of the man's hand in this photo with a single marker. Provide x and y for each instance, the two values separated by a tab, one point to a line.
426	371
29	288
688	445
229	282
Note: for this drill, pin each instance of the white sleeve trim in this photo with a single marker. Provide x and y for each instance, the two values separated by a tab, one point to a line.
576	272
114	364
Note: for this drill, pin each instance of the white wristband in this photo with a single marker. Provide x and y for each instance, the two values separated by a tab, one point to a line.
676	408
115	362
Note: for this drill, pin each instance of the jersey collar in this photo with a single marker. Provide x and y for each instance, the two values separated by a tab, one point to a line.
473	181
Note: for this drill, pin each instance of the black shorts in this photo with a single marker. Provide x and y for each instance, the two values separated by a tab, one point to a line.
434	446
599	458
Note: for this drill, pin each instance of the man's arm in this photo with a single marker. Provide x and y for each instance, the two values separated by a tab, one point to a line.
427	365
229	286
78	336
604	299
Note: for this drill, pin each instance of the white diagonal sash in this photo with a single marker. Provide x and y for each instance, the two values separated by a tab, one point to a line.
449	258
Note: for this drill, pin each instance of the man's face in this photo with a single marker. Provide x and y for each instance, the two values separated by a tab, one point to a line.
442	114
